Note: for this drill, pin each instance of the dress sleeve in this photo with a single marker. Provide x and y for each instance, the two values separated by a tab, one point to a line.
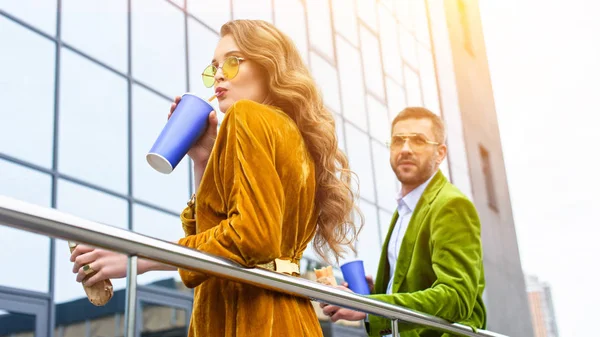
252	190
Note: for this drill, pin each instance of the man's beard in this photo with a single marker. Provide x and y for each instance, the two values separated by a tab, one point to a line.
424	171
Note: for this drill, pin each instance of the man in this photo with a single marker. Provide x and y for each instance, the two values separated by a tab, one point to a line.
432	258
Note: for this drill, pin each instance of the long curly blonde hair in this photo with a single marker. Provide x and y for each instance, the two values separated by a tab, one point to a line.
292	88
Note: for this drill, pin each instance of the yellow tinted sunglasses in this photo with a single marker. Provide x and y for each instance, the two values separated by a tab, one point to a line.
230	69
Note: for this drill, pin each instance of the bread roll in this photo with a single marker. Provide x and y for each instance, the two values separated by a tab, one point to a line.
325	276
100	293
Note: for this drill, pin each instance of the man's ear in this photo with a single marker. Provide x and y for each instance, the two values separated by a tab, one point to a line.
442	152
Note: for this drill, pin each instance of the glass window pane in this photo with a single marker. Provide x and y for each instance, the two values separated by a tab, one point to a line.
191	181
160	320
388	3
321	36
98	28
368	245
367	12
202	44
344	19
340	132
429	80
385	218
27	94
179	3
461	179
396	98
421	23
92	123
39	13
387	183
413	87
405	13
290	18
326	77
17	324
256	9
111	324
372	62
359	155
408	45
213	13
20	249
162	226
390	45
445	168
92	205
457	151
351	80
309	254
170	191
158	46
378	119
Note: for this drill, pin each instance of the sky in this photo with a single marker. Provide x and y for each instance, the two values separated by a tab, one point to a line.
544	59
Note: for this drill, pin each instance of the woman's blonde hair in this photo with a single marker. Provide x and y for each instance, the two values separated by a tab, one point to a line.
292	88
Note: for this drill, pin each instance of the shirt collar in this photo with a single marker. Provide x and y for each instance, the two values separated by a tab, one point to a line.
411	199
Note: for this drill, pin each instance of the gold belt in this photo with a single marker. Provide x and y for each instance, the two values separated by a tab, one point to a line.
281	266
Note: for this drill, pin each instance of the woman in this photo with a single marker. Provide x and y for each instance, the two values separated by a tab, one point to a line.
270	181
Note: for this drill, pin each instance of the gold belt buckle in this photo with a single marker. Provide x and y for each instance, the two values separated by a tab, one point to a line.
281	266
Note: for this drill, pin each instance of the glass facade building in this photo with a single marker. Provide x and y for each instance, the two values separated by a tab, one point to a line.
86	86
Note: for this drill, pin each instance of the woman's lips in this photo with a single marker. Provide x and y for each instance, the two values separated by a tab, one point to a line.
220	93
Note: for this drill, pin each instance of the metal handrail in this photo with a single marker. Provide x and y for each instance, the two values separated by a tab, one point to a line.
50	222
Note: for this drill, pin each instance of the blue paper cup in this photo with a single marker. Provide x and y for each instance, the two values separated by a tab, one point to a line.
187	123
354	274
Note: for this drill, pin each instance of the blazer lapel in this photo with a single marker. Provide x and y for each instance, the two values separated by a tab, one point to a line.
383	271
414	227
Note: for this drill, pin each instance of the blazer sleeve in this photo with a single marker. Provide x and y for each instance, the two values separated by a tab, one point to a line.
254	195
457	262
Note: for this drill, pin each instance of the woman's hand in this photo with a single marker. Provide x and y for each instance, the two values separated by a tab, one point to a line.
200	151
105	264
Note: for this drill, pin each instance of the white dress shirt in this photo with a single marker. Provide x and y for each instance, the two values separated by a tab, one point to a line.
406	207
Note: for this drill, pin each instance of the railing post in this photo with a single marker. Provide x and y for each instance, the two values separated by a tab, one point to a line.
395	332
131	297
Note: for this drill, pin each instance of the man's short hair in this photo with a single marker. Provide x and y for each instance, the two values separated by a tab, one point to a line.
439	128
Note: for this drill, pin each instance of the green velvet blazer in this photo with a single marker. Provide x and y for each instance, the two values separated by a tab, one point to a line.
439	270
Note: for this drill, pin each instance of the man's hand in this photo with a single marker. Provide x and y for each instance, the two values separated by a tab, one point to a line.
336	313
370	283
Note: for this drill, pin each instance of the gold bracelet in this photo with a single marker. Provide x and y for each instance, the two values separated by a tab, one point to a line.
192	202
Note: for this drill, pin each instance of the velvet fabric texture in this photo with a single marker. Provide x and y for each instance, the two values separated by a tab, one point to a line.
440	265
255	203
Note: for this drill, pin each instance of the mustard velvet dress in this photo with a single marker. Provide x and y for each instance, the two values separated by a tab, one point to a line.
255	203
